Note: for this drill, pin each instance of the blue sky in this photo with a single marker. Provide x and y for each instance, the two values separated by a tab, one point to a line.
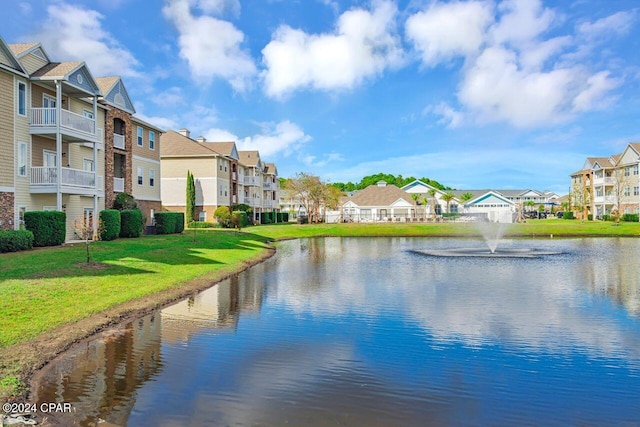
475	94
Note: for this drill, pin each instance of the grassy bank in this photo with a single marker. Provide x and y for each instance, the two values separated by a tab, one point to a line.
51	291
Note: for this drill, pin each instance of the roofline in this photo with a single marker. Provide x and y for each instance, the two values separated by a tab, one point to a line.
147	124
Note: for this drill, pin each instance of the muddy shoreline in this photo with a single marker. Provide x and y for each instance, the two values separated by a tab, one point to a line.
31	356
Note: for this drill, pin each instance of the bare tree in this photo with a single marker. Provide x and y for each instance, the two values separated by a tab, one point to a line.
313	194
621	191
83	227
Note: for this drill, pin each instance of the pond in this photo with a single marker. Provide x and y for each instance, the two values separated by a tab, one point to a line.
373	332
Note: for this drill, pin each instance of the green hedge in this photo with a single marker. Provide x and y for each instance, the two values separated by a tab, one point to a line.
567	215
607	217
267	217
111	224
130	223
169	222
48	227
198	224
15	240
590	217
285	216
630	217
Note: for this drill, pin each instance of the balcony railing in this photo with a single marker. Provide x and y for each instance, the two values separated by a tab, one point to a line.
603	180
249	180
118	185
268	185
43	175
46	117
118	141
233	176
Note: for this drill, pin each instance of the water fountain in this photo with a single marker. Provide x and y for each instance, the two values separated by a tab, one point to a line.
492	233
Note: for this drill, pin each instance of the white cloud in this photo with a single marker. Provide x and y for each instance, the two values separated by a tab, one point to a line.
446	30
164	123
496	89
211	46
522	22
619	23
363	45
449	117
71	33
327	159
594	95
219	7
284	137
220	135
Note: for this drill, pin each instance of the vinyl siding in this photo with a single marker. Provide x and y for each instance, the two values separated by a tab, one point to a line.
199	167
7	111
145	191
32	63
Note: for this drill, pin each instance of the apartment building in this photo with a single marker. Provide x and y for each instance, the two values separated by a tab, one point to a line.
223	176
132	150
52	130
605	184
70	142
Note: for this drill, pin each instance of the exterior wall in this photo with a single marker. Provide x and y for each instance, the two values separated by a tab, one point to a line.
22	196
177	167
7	111
32	63
146	191
110	151
145	206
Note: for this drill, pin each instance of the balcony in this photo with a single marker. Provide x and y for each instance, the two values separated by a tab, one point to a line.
44	121
74	181
610	200
268	185
118	141
249	180
118	185
269	204
603	181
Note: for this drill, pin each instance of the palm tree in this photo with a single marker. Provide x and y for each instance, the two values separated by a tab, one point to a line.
448	197
465	197
432	193
415	197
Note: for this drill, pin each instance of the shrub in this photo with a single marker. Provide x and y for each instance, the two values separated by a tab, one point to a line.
607	217
48	227
590	217
130	223
567	215
630	217
278	216
242	207
15	240
266	218
110	229
241	218
169	222
124	201
285	216
223	216
198	224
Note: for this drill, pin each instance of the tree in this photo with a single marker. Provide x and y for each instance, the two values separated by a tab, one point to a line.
83	227
313	194
191	198
236	220
432	193
415	197
448	197
621	191
466	197
223	215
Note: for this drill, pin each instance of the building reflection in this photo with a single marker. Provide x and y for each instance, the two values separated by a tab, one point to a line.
101	377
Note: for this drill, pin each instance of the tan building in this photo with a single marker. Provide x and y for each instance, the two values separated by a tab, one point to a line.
132	150
223	176
56	134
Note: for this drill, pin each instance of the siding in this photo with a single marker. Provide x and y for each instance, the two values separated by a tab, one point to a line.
145	151
7	111
5	60
145	191
32	63
199	167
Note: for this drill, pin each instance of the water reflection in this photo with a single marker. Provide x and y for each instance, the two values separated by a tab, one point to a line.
366	332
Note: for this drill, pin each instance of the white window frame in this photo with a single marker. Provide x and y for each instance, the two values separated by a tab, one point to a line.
87	113
140	136
48	208
140	176
47	153
88	217
22	101
86	161
23	159
152	177
202	216
152	140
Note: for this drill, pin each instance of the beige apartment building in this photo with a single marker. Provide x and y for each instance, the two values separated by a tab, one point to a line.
606	184
223	176
60	135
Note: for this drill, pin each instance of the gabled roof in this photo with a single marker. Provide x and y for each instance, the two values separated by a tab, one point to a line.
419	185
270	168
487	197
8	59
75	74
175	144
249	158
635	146
23	49
146	124
225	148
115	94
375	195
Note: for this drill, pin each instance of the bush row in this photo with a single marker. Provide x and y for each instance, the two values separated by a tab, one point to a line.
274	217
169	222
48	227
15	240
198	224
111	224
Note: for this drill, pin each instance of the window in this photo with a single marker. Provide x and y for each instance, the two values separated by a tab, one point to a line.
627	171
140	132
22	99
220	165
87	164
152	140
22	159
88	217
140	176
636	191
627	193
152	177
88	114
202	216
152	214
635	169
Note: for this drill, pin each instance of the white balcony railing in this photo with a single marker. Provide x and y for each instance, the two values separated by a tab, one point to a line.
118	141
118	185
233	176
46	117
249	180
603	180
42	175
268	185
